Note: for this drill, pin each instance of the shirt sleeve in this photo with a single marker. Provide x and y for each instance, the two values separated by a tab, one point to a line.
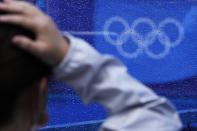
103	79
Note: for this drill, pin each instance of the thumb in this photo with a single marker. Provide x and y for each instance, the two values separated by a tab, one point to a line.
25	43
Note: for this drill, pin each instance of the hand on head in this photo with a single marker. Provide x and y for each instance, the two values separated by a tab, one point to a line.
50	45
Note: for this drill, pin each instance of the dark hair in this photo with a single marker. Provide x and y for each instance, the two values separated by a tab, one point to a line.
19	70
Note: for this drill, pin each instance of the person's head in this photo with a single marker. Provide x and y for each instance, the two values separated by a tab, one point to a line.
23	82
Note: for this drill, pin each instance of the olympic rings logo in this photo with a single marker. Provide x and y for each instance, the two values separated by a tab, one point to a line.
143	42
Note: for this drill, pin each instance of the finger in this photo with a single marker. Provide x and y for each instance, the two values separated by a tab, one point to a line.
19	20
7	1
25	43
11	0
15	6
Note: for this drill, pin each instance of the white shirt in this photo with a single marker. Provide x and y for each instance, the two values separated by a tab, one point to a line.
101	78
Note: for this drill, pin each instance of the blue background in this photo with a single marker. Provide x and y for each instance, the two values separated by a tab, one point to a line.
181	61
174	76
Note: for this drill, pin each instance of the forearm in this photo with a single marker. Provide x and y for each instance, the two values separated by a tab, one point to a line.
103	79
